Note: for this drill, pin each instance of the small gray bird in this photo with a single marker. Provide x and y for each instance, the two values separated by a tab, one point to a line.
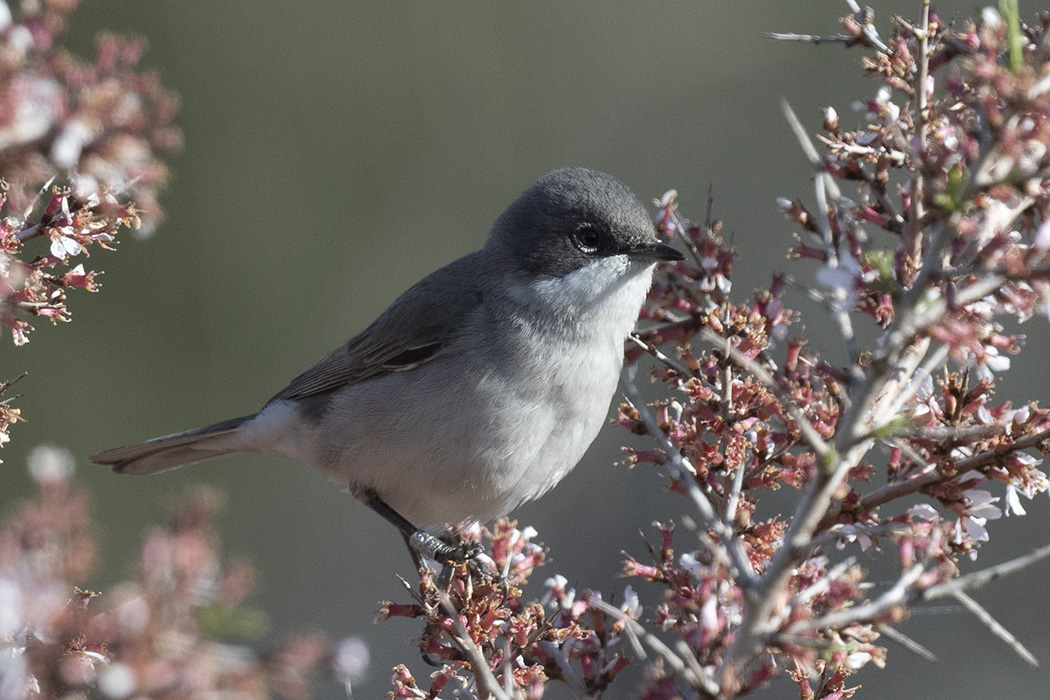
481	386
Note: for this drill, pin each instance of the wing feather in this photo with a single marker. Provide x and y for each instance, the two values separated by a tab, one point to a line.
418	327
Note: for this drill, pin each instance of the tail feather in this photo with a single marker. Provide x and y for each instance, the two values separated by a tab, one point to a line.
171	451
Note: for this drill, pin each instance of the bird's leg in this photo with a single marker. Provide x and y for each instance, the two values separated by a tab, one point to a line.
417	558
421	543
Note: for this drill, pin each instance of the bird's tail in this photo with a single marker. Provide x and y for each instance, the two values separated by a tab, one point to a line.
179	449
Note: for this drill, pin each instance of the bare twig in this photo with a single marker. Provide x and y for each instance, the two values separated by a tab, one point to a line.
414	594
810	293
5	385
980	578
906	642
29	232
710	207
813	38
949	432
825	189
734	492
995	626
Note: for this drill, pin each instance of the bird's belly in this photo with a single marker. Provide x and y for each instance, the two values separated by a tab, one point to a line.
448	449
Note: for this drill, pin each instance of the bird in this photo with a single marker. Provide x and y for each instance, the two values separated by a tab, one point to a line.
481	386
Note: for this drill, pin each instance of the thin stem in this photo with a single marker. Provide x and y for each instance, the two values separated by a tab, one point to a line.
734	493
898	489
846	39
486	681
913	235
824	186
682	662
997	628
651	349
906	642
980	578
899	594
29	232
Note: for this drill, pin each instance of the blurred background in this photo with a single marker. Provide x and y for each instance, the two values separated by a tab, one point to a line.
336	153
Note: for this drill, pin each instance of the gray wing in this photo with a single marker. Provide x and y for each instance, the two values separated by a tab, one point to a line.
417	327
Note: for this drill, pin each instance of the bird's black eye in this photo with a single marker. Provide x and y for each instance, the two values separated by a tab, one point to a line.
587	239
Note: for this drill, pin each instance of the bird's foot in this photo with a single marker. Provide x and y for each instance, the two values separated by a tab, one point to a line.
465	553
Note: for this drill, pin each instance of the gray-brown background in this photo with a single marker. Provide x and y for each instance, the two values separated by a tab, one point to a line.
337	152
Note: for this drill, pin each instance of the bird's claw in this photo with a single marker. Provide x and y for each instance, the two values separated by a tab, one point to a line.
465	553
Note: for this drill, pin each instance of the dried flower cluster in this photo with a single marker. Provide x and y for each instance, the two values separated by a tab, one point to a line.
488	641
170	632
902	450
9	415
77	158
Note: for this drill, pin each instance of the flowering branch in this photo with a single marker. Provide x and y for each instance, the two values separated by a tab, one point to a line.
895	452
176	628
490	643
9	415
967	242
77	159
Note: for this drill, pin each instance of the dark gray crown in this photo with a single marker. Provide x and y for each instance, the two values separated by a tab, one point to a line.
549	229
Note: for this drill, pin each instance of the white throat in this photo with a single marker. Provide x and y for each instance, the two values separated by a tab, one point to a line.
602	298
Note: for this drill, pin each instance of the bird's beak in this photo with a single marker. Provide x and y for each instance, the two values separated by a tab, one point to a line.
654	252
